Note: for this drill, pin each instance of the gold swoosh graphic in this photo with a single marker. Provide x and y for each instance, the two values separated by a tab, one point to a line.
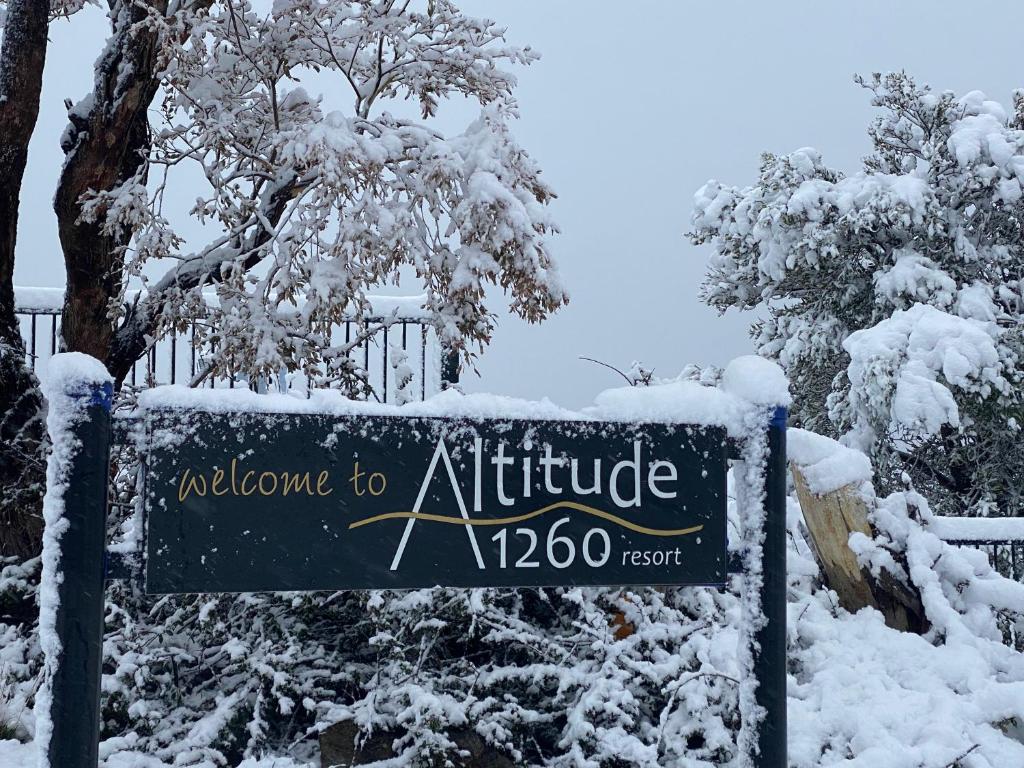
527	516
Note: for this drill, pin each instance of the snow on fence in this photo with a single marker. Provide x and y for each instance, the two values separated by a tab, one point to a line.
177	359
1001	538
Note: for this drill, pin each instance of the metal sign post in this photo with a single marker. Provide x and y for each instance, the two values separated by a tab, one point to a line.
75	688
770	655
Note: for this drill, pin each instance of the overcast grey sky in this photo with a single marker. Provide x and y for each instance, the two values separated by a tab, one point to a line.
632	107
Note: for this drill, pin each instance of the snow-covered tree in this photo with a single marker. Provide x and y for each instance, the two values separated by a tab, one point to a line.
306	132
893	296
314	205
308	198
22	461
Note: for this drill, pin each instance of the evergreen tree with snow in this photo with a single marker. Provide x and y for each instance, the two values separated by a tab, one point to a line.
893	296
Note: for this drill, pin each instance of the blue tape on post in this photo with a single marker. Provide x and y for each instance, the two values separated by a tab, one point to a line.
96	394
102	395
779	417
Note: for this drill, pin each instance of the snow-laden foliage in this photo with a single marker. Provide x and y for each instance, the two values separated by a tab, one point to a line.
538	674
893	296
865	696
20	655
315	192
398	358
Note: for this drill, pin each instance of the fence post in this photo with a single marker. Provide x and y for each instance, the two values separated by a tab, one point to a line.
450	365
770	656
75	687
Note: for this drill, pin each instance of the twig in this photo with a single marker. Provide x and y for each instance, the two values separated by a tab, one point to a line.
612	367
958	758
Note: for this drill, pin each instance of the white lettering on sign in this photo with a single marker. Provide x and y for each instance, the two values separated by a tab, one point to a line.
441	452
625	480
653	478
625	488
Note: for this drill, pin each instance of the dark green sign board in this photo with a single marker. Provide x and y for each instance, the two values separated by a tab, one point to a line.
247	502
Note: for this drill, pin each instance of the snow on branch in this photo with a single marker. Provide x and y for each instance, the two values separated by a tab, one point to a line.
315	208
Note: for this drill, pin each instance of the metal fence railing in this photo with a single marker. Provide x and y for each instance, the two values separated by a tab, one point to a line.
178	358
1001	538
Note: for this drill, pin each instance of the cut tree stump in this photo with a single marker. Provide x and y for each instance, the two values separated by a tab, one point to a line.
830	519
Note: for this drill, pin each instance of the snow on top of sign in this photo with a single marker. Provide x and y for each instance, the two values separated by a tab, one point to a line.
826	464
322	401
684	402
679	401
756	380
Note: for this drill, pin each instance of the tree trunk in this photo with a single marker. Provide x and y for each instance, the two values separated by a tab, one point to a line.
22	432
106	146
22	452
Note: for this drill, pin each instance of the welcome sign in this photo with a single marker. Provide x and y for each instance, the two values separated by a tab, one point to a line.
247	502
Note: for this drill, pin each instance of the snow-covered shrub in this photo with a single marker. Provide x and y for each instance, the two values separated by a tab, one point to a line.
544	676
893	296
20	656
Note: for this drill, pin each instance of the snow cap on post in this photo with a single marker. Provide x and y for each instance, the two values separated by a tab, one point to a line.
75	375
827	465
756	380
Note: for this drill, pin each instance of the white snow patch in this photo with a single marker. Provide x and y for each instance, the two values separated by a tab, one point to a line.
913	278
756	380
38	299
921	352
977	528
826	464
